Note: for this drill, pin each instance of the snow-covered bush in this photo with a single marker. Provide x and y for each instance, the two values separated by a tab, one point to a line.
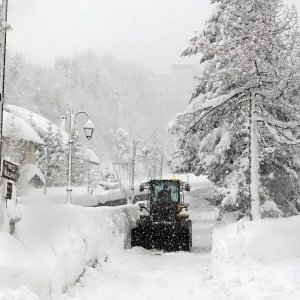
270	210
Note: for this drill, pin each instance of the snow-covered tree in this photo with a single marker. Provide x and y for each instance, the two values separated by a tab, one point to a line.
108	174
122	146
241	126
12	144
150	156
79	162
55	162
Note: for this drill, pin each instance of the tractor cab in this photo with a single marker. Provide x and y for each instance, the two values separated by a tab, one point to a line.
165	198
164	191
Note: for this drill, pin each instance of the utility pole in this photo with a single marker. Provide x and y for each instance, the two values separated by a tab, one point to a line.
161	165
4	28
134	146
154	163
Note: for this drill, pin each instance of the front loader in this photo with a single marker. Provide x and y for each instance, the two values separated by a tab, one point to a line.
165	226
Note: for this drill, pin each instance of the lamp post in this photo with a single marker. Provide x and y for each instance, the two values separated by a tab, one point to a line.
45	149
89	177
88	129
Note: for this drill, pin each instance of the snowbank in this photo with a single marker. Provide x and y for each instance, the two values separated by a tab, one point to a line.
80	196
54	243
19	294
259	260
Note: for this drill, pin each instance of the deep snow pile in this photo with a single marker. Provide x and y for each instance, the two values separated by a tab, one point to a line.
18	294
258	260
80	196
54	243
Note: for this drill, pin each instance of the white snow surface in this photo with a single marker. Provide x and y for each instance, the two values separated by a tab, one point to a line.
258	260
141	274
54	244
80	196
69	252
18	294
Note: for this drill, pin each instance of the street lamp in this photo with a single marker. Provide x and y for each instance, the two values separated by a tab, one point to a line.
88	130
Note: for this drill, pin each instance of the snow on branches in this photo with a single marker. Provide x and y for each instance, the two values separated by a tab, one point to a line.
245	103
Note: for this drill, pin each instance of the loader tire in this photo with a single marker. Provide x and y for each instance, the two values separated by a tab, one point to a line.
135	237
185	236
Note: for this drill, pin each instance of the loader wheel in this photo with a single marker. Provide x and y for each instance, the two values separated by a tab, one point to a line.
141	236
135	237
138	237
186	236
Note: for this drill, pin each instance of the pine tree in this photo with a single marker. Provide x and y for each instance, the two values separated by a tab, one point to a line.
55	164
12	145
122	146
79	162
240	128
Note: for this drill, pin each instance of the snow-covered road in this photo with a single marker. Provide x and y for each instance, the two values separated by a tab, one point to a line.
140	274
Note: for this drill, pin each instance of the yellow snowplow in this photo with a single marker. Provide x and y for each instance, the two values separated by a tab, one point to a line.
166	226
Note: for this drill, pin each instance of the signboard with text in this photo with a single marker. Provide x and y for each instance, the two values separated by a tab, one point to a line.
10	170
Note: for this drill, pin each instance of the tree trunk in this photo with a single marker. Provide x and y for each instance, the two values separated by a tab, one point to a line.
254	164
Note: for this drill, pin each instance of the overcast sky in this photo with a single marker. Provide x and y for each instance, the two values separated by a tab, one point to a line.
151	32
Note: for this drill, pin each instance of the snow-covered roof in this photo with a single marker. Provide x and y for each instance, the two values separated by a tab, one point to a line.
24	130
91	155
29	171
38	122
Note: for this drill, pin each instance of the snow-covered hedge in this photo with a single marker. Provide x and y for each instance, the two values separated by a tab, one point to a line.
54	243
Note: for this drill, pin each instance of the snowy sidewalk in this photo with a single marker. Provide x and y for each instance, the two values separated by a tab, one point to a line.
140	274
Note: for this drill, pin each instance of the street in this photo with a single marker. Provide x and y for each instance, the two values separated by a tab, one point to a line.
140	274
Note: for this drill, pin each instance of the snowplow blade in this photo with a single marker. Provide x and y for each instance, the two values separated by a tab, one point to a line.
162	236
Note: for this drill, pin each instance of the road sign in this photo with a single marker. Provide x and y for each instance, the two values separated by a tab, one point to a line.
10	170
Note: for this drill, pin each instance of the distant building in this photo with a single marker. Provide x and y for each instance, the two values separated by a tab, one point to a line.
30	176
31	129
16	128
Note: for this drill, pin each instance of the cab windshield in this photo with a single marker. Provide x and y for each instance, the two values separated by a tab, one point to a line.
164	191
